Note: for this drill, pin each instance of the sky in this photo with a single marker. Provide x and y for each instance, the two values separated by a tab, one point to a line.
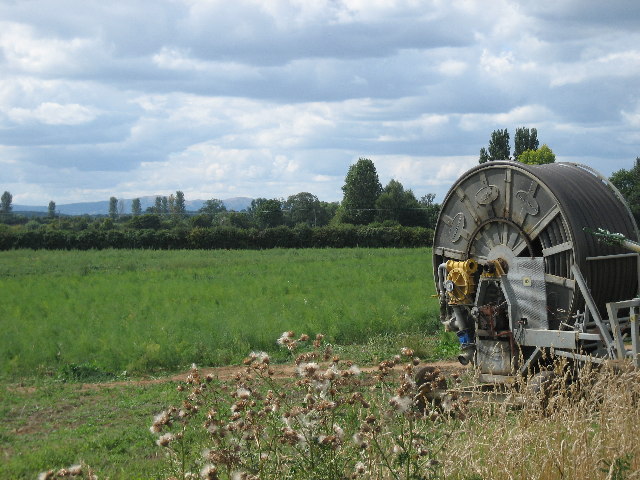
269	98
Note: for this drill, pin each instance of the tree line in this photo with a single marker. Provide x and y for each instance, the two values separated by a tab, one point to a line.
370	215
628	183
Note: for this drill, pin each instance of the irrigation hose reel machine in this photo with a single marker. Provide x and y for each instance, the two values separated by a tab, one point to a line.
524	263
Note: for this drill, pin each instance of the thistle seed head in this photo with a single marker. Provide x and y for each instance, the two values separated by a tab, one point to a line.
165	440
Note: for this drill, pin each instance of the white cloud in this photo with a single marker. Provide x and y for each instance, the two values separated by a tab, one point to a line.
497	64
452	68
25	51
616	64
51	113
176	59
632	118
273	98
423	174
526	114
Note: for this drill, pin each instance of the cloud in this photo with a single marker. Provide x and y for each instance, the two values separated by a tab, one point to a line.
529	114
259	98
51	113
497	64
452	67
614	64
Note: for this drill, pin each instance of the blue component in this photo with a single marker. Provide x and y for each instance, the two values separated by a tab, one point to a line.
465	337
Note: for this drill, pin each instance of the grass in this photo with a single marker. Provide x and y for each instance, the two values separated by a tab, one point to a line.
586	429
85	316
582	425
70	317
102	313
55	425
47	423
57	422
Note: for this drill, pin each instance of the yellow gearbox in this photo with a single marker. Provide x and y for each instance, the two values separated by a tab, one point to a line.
460	284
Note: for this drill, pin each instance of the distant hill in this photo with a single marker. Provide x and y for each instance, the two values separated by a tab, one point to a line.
102	208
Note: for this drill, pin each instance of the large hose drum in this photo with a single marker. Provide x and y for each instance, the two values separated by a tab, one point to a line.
507	211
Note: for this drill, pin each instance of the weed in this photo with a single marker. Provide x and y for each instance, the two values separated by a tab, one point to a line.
326	424
87	371
617	469
74	472
332	424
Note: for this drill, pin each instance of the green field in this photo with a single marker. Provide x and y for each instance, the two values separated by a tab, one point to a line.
69	317
102	313
73	319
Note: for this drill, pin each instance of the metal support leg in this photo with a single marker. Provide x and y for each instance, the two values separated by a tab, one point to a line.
615	330
593	309
635	341
532	358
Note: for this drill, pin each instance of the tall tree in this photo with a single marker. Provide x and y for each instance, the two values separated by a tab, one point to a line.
628	182
237	219
213	207
214	210
304	207
5	203
165	205
484	155
430	209
171	204
52	209
538	157
525	139
113	208
498	149
329	211
399	205
361	190
267	213
136	207
180	206
157	206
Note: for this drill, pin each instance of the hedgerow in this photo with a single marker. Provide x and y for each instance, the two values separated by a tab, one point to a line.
214	238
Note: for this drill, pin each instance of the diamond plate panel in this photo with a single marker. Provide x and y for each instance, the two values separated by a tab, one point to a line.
526	293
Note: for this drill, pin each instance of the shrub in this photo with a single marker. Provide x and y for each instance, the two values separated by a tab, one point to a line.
146	222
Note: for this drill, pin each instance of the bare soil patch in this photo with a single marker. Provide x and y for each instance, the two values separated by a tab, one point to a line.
281	371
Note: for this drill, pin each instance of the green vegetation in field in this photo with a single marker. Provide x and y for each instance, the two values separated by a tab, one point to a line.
49	424
54	425
96	314
331	421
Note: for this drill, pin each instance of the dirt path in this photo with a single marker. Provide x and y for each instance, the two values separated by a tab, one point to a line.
228	372
281	371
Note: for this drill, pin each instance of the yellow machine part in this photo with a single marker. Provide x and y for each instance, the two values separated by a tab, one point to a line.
460	279
495	268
